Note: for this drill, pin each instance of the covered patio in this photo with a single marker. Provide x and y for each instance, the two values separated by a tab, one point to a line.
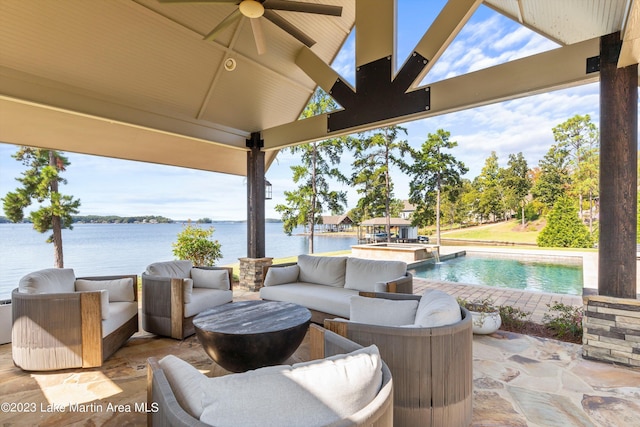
135	80
518	381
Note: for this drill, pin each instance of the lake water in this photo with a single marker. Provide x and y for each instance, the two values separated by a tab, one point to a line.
103	249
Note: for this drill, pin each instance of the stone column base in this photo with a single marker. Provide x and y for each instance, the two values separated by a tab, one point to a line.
611	330
251	272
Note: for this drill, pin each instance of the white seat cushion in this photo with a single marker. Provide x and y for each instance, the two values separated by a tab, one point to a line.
48	281
316	393
204	298
383	312
119	313
322	270
363	274
323	298
437	308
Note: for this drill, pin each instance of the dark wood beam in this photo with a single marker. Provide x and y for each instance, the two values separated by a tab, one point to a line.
255	198
618	172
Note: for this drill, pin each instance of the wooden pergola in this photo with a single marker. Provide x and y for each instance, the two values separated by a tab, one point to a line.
134	79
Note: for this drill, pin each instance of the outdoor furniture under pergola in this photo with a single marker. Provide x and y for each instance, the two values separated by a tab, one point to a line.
136	80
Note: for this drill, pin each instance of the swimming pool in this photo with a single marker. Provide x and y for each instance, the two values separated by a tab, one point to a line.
543	274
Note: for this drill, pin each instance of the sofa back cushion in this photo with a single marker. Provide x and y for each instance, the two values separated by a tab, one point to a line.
315	393
175	269
120	290
363	274
322	270
185	382
281	275
212	279
383	312
47	281
437	308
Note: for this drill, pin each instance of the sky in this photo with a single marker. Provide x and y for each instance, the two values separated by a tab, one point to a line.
126	188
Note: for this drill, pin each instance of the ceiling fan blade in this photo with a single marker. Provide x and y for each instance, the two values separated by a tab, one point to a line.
296	6
258	35
234	16
288	27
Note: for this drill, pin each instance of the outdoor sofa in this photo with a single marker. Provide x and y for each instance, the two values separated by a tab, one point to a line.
61	322
427	343
349	386
174	292
325	284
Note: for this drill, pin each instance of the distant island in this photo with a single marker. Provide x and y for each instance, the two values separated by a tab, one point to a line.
144	219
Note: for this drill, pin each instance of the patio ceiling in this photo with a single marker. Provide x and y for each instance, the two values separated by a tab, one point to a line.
135	80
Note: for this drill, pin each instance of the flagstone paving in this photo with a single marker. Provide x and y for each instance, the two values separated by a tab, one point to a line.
519	380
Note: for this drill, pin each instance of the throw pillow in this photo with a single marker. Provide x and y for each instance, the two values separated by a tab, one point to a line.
119	289
212	279
187	290
322	270
437	308
280	275
364	274
174	269
383	312
316	393
48	281
185	382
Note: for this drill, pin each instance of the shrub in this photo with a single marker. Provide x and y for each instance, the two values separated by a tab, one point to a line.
566	322
514	319
564	229
195	244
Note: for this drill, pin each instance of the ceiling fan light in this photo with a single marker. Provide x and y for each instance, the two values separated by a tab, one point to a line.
251	8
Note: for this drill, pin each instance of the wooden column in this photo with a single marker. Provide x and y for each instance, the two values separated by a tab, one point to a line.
618	172
255	198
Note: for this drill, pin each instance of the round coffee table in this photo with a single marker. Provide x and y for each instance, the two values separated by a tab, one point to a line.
246	335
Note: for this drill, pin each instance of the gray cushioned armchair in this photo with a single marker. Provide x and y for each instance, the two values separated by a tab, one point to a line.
175	390
60	322
174	292
432	367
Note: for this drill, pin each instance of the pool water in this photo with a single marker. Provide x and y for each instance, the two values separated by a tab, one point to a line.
530	275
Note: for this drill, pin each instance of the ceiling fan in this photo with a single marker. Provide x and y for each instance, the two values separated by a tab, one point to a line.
254	9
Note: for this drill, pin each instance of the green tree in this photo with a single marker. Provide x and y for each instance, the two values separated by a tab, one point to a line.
374	155
196	245
40	182
490	191
564	229
553	179
432	170
581	140
319	164
517	182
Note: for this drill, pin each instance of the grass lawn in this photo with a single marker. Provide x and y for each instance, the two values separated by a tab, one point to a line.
508	231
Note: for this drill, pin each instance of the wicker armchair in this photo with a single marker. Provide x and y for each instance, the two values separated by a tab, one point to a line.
431	367
59	325
167	411
171	298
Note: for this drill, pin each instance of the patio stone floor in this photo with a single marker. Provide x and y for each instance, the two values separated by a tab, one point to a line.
518	381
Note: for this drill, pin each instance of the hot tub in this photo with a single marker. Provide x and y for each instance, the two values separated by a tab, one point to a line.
407	252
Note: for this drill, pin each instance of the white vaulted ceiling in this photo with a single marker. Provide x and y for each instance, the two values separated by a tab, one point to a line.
135	79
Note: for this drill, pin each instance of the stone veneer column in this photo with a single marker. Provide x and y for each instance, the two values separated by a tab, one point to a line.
251	272
611	330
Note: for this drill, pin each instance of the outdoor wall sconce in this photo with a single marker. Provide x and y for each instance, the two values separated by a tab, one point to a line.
268	190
